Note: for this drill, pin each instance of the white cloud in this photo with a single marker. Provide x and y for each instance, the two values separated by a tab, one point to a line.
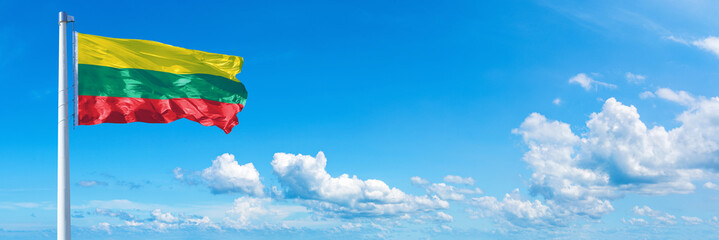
306	179
158	220
669	219
227	176
692	220
167	217
256	213
677	40
633	157
710	44
179	174
515	211
438	217
418	180
133	223
103	226
714	221
190	178
445	192
618	154
635	78
444	217
588	83
643	211
350	226
446	228
203	223
635	221
557	101
459	180
660	216
583	80
448	192
680	97
711	185
246	209
646	94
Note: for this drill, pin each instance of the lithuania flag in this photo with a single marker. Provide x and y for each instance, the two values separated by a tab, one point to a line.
128	80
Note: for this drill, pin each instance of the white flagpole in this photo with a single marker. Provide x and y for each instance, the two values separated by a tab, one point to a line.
63	166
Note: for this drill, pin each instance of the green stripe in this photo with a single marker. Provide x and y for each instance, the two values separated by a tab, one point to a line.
96	80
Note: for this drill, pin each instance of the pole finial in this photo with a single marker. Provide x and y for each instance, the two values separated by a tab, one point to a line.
63	17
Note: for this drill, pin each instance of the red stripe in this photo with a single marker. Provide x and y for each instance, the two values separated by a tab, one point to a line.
97	109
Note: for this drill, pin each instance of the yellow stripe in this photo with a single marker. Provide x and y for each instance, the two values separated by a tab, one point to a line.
149	55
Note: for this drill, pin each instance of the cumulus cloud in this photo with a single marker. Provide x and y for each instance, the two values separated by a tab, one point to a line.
418	180
448	192
579	175
202	223
692	220
350	226
445	191
710	44
711	185
557	101
588	83
714	221
444	228
619	152
635	78
305	178
245	209
187	177
166	217
103	226
259	212
515	211
245	213
646	94
660	216
635	221
227	176
444	217
133	223
680	97
158	221
179	173
459	180
438	217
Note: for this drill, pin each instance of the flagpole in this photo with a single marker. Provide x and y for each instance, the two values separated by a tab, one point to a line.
63	166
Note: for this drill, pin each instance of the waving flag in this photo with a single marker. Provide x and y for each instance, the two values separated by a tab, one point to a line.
129	80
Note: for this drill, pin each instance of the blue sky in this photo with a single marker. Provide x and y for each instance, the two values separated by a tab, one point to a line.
451	120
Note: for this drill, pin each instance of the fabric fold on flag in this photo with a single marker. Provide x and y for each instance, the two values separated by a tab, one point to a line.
129	80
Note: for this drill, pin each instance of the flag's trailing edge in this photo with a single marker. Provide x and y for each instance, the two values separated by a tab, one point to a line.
129	80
